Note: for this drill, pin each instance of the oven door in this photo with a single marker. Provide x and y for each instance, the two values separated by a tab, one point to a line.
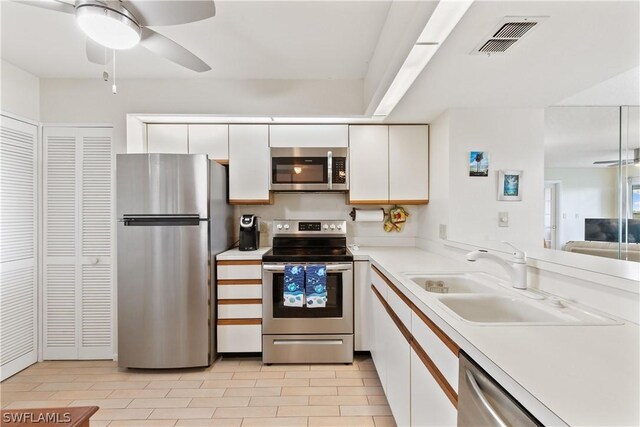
336	317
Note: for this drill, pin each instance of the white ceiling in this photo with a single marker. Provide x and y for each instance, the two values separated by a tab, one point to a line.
582	43
245	40
579	136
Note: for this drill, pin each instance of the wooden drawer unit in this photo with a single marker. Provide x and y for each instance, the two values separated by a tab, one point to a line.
239	291
240	335
240	308
239	304
240	270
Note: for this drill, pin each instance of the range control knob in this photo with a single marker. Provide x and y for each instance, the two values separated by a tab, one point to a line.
332	227
286	226
339	226
326	226
279	226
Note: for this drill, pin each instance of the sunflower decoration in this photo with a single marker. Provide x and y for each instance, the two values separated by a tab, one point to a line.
395	219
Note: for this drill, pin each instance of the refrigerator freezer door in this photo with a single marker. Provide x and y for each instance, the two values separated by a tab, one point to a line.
162	184
163	295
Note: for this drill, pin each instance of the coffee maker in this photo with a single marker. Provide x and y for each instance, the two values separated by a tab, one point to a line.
249	232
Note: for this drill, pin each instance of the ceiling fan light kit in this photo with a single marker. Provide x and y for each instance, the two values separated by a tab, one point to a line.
112	28
124	24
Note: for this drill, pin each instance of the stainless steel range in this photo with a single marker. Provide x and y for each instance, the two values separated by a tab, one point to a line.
303	334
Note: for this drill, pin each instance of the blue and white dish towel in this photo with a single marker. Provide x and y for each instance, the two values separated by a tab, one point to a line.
316	286
293	285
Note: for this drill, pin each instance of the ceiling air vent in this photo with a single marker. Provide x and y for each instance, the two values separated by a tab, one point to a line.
509	31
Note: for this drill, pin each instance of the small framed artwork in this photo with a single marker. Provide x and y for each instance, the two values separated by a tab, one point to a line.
478	163
510	185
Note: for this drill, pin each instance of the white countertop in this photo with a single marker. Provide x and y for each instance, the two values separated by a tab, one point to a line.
578	375
236	254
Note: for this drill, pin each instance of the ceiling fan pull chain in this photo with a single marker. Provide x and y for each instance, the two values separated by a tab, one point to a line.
114	88
105	73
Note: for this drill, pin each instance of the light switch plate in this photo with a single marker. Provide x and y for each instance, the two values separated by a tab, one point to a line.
503	219
443	231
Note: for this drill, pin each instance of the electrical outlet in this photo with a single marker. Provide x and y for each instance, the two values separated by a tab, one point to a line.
443	231
503	219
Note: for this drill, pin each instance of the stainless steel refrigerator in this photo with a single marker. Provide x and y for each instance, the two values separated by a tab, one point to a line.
173	218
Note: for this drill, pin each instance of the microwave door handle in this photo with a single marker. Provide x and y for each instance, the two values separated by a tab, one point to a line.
330	169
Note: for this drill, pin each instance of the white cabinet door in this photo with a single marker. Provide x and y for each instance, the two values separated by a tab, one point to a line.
398	360
429	405
249	164
212	140
378	345
362	318
78	236
368	164
18	220
166	138
309	136
408	164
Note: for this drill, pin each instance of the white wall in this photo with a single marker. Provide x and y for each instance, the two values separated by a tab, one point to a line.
91	101
20	92
514	139
330	206
584	193
437	211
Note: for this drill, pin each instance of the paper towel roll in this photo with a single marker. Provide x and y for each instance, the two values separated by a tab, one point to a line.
369	215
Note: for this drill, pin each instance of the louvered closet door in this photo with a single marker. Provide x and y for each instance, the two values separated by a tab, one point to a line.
18	207
96	241
78	239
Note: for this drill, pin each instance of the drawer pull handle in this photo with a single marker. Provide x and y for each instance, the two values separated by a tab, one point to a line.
308	342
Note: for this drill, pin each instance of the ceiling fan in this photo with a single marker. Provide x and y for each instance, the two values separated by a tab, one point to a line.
123	24
614	163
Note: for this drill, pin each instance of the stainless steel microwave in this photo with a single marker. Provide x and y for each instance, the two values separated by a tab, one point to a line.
309	169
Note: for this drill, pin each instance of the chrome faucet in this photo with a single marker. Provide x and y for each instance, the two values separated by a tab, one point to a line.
516	266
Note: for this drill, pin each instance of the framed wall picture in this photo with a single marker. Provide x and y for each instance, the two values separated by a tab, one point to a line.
510	185
478	163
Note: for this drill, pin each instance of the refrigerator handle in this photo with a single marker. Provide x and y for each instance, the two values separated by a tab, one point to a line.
161	220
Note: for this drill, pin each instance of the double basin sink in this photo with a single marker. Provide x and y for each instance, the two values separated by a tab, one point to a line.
478	298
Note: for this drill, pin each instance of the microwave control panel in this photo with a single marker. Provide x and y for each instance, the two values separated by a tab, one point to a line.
339	170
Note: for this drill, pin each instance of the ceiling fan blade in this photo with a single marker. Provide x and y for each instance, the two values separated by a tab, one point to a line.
97	53
171	50
58	6
605	162
169	12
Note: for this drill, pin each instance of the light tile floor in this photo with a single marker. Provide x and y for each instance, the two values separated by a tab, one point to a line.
232	392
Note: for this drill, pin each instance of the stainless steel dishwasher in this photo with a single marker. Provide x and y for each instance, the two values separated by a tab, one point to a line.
483	402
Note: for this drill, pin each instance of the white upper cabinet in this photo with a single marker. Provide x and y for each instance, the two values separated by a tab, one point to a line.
389	164
249	163
309	136
409	164
368	164
165	138
209	139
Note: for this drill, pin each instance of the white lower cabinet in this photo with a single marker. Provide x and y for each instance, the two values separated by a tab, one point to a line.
362	315
378	348
239	305
398	374
415	396
429	405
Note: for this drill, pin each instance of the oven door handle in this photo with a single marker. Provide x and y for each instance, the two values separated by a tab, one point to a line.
331	267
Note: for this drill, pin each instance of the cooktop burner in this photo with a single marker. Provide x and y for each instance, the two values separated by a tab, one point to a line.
309	241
